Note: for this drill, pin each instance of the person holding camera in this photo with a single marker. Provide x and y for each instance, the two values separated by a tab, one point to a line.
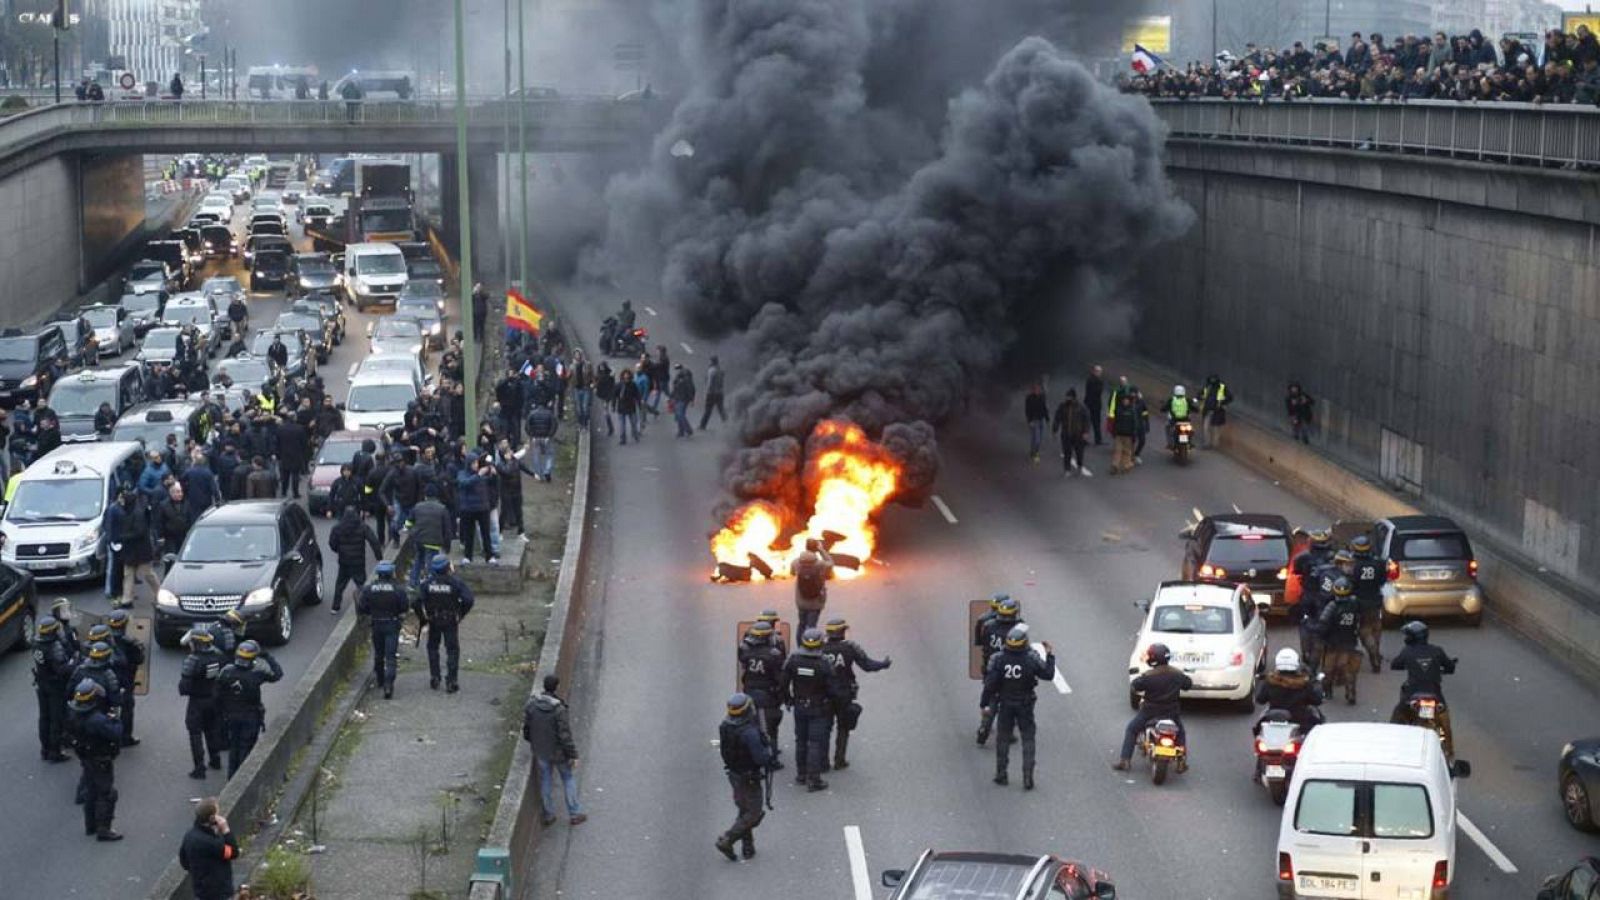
208	852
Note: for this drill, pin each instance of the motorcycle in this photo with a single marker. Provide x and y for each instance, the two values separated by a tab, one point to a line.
1160	742
608	334
1182	441
632	343
1277	747
1427	712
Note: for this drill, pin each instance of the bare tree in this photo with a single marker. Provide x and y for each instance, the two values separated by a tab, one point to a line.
1265	23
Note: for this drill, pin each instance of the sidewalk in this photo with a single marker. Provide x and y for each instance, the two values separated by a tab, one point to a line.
411	784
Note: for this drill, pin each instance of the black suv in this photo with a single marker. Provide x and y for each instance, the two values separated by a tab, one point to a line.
999	875
19	607
30	364
269	268
1251	549
257	556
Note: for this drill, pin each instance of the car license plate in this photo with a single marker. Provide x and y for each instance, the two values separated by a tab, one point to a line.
1425	712
1276	771
1434	574
1165	751
1183	439
1193	659
1326	883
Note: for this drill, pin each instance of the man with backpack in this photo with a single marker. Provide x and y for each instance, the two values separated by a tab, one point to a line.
811	570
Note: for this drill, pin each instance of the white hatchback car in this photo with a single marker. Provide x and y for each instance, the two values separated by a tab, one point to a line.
1215	633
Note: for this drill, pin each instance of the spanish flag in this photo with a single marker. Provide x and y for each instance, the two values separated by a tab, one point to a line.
520	313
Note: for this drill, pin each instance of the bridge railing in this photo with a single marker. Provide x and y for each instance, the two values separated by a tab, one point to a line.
1522	133
563	112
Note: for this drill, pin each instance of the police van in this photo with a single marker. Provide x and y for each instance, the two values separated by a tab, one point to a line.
53	517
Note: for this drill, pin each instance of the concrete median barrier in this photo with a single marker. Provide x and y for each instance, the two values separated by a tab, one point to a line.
1562	620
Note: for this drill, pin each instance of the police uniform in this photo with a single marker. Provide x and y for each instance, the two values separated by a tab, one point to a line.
197	680
761	663
1339	629
1368	576
243	716
807	679
385	602
1316	590
127	655
97	739
843	655
747	756
991	639
442	603
1008	688
55	657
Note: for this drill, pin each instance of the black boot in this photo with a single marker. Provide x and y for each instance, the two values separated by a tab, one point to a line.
1027	779
433	684
725	847
1001	778
748	851
839	761
816	784
198	772
983	735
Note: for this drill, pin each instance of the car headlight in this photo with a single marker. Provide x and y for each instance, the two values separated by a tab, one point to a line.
258	597
30	381
1566	749
87	539
165	597
435	328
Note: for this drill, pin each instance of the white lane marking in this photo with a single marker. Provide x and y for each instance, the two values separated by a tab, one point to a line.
1060	680
944	510
1500	860
651	311
1237	510
686	348
858	863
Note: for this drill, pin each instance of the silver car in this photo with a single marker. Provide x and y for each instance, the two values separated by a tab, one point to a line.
113	330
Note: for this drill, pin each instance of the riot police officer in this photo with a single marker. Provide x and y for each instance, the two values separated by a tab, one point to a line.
1368	573
197	680
806	681
761	663
441	605
97	664
991	639
1338	629
127	655
385	602
229	631
97	738
1008	685
1316	571
770	616
748	756
55	657
843	655
239	688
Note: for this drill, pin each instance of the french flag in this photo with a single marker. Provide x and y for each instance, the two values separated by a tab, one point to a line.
1145	62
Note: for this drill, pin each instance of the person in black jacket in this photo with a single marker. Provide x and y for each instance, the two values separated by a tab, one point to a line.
1037	412
1425	666
843	655
1290	687
294	451
202	717
747	756
172	520
441	605
127	655
384	600
349	541
1161	687
807	681
97	738
542	424
55	656
548	731
1301	408
105	419
1008	689
208	852
239	686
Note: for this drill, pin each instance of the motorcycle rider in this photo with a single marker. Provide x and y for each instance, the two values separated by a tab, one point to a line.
1291	688
1176	409
1008	685
843	655
806	682
1005	614
1368	573
1314	569
761	661
1338	629
1160	688
1425	666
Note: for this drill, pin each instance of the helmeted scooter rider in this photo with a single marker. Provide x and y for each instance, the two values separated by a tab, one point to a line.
991	639
1425	666
1160	688
1291	688
1177	410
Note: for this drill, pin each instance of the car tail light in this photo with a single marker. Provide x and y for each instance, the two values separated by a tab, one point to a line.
1291	748
1261	746
1210	571
1393	570
1285	867
1472	568
1441	873
1250	537
1237	659
1283	574
1166	742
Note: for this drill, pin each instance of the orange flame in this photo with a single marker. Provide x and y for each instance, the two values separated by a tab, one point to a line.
848	480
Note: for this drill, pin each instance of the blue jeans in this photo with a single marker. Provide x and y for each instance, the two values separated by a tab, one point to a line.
1035	436
544	455
628	422
680	412
419	562
1136	726
569	785
580	399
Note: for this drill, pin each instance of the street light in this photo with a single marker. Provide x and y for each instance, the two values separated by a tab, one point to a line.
522	145
469	349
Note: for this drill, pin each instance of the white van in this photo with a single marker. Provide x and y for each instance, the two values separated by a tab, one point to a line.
52	523
373	274
1371	815
378	400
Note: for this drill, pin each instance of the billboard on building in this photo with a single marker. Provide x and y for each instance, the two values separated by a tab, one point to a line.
1571	20
1154	33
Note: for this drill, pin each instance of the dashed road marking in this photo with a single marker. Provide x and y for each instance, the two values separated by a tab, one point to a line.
858	863
651	310
1500	860
686	348
944	510
1060	681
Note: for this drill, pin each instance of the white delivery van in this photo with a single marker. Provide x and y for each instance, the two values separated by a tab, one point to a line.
53	523
1371	815
378	400
373	274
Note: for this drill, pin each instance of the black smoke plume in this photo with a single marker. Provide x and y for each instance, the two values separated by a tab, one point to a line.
879	263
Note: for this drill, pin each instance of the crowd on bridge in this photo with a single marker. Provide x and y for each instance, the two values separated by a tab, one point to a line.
1470	67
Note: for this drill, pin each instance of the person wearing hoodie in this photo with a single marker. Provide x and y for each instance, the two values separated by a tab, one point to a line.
472	504
344	493
431	531
155	469
547	729
349	541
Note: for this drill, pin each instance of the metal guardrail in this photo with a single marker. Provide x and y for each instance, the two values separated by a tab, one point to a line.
592	114
1520	133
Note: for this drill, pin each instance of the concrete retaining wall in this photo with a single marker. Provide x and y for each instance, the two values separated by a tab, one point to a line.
1445	316
39	240
1561	622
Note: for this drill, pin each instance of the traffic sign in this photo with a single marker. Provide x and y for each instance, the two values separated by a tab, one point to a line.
127	81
